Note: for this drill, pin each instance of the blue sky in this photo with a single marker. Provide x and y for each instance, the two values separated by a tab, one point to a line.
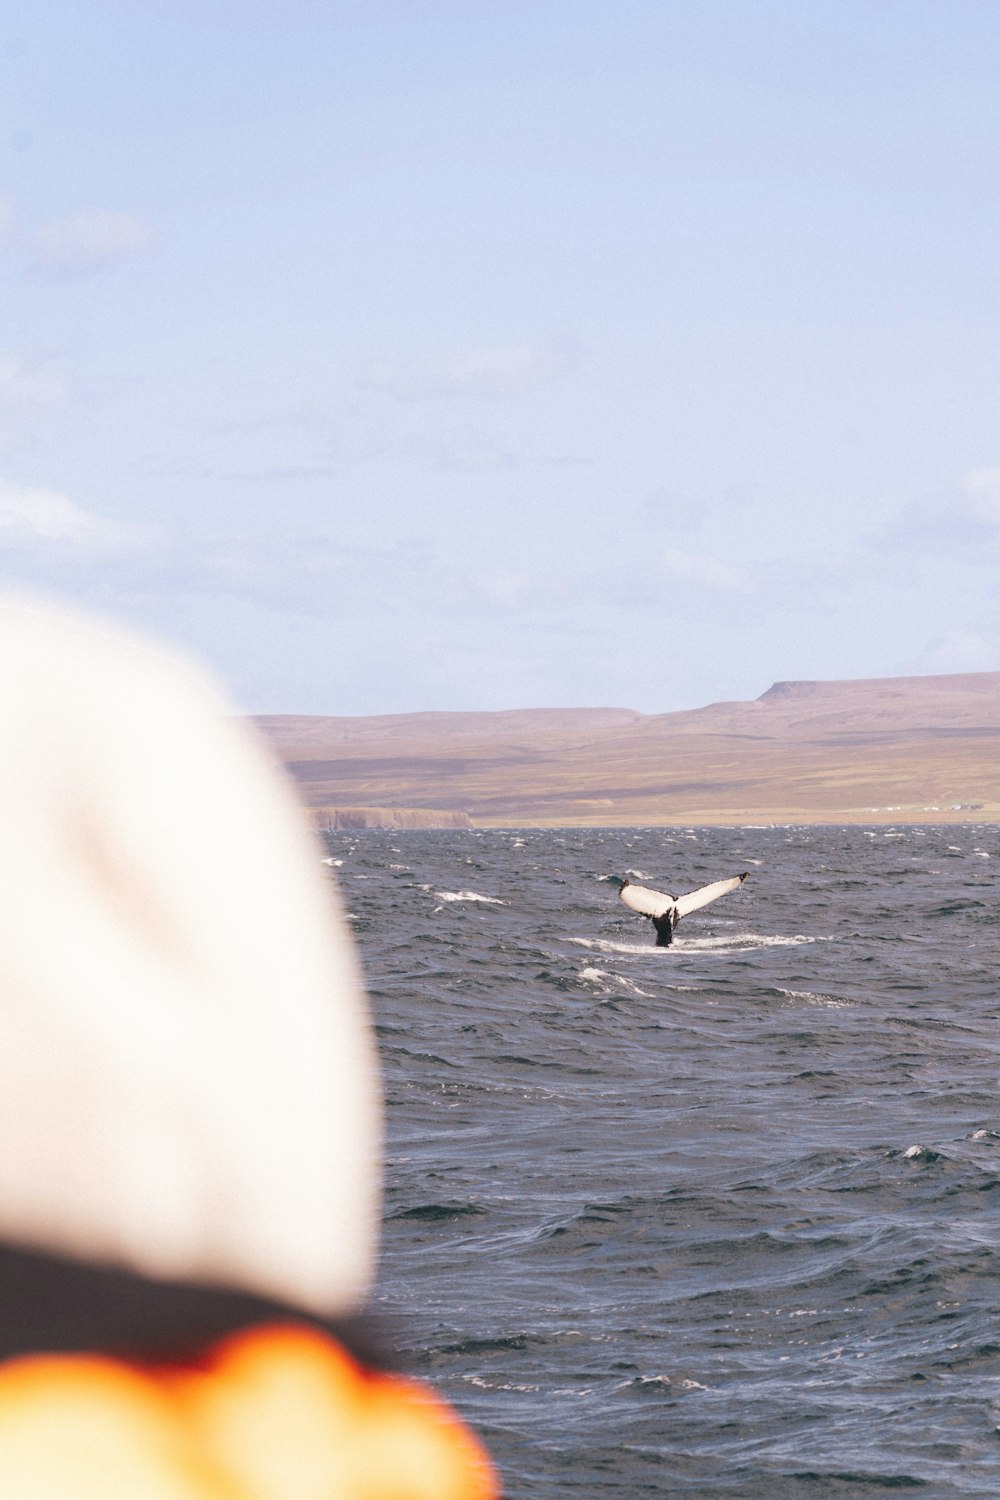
505	353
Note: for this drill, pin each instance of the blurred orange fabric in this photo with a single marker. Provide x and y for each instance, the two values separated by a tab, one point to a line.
273	1413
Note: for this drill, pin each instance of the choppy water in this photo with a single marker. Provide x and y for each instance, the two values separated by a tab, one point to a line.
720	1219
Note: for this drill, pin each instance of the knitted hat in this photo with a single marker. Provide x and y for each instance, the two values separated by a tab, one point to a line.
187	1082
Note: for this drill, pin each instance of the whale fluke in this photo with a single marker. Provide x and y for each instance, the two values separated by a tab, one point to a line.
707	893
665	911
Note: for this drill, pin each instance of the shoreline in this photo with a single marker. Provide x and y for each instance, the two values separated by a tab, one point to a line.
397	822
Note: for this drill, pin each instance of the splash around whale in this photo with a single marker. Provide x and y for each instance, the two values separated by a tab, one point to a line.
665	911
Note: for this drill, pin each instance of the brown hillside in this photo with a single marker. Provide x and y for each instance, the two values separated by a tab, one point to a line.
912	748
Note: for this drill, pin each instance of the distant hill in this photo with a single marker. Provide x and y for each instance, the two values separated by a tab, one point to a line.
918	749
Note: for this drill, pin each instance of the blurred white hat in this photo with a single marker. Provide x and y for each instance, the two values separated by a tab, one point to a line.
187	1081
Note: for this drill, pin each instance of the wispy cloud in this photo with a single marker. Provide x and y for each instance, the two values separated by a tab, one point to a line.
982	495
705	570
31	387
965	524
671	510
33	517
499	371
462	451
304	573
6	221
30	381
959	650
88	243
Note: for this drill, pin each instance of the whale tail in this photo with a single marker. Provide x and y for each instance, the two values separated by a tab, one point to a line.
665	911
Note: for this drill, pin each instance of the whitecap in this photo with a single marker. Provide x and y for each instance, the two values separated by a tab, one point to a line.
603	946
469	896
920	1153
499	1385
814	997
735	942
740	941
612	983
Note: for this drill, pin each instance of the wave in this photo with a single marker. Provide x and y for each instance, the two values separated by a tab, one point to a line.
470	896
612	984
815	997
435	1212
737	942
650	1384
603	945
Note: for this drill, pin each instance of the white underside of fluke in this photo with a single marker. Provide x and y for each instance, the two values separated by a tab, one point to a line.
696	899
651	903
646	902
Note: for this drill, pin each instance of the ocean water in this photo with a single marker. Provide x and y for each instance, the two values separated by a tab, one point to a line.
720	1219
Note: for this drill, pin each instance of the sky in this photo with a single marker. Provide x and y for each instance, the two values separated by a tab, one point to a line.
395	355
